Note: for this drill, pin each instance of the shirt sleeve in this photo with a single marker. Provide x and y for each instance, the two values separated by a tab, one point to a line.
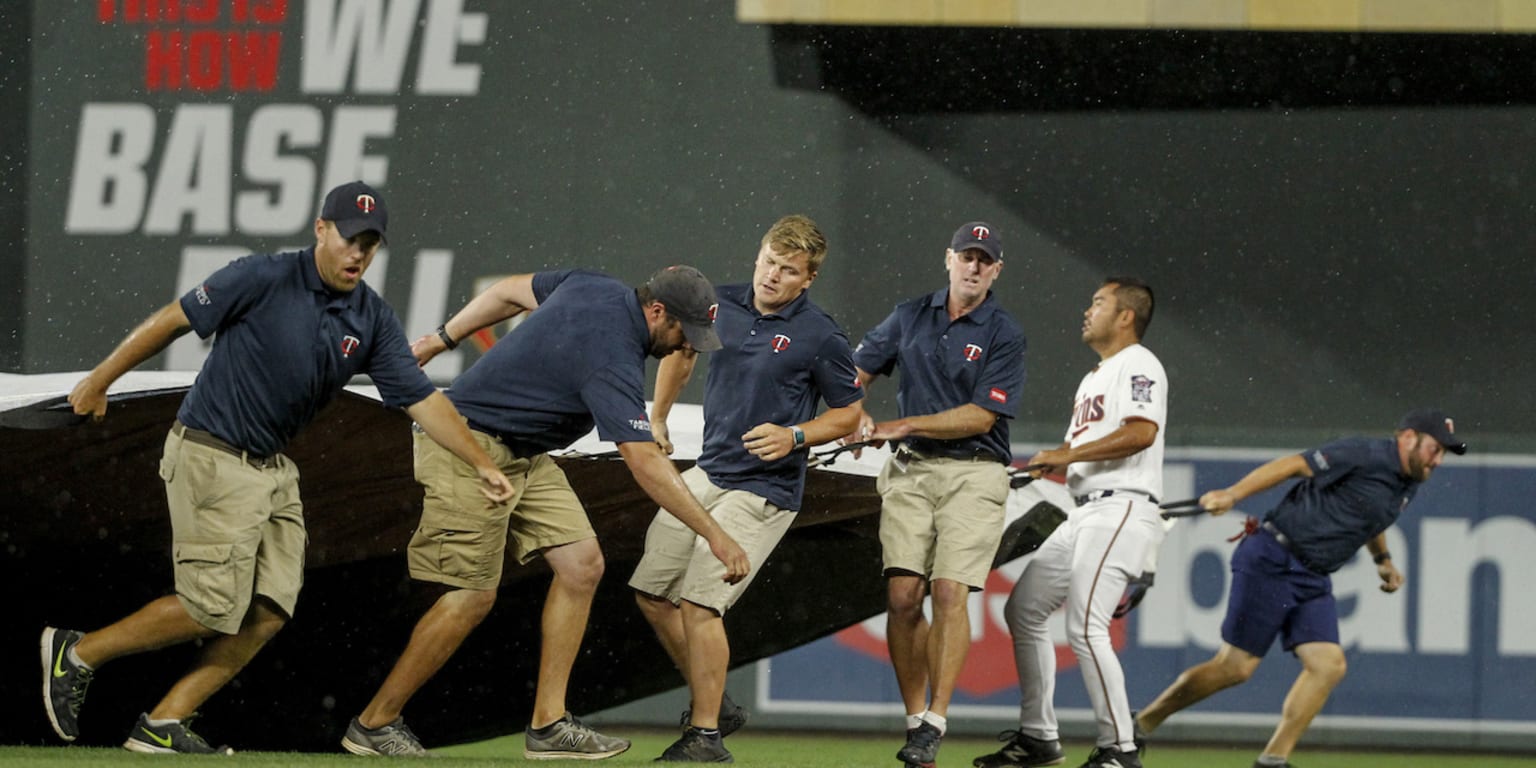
1144	387
392	367
834	374
1001	383
545	283
225	295
1336	460
614	395
876	354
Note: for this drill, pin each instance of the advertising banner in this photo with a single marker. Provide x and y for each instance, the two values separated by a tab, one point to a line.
1442	650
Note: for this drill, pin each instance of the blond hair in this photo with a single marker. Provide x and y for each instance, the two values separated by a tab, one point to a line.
796	233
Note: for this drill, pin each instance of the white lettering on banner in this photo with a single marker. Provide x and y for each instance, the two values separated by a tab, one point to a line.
374	36
112	192
429	303
371	41
1454	551
194	175
439	71
1379	621
1439	580
347	158
108	189
289	208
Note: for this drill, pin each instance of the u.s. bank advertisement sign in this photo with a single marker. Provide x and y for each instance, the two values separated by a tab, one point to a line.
1443	653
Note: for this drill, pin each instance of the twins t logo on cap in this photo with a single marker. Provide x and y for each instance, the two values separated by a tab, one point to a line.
366	203
713	309
980	233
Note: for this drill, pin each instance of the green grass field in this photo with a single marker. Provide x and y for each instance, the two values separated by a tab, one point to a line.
763	750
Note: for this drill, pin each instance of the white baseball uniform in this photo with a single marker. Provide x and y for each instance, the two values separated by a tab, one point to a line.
1104	543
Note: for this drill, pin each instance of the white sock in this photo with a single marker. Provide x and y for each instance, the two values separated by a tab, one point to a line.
162	723
914	721
938	721
74	658
1275	760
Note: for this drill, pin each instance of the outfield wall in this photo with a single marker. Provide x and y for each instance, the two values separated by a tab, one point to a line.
1439	663
1320	266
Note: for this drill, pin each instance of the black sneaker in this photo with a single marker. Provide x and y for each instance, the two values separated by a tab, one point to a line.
922	747
175	738
695	746
570	739
1022	751
393	739
732	716
1286	764
1110	757
64	682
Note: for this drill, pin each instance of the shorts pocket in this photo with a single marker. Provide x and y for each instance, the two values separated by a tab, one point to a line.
205	576
457	546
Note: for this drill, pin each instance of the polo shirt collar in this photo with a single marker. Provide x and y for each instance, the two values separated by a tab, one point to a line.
313	282
748	298
940	299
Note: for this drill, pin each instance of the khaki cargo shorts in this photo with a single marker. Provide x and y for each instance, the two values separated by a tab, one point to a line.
942	518
462	538
237	531
677	564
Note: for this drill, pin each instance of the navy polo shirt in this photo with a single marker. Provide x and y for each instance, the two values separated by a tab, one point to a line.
978	359
286	345
578	359
770	369
1357	490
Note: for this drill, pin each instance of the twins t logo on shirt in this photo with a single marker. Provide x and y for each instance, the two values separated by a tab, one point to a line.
780	343
349	345
1141	389
972	352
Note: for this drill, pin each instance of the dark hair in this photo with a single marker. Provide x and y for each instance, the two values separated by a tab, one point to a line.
1135	295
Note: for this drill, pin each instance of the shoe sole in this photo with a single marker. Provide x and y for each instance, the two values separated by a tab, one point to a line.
529	754
47	656
358	749
134	745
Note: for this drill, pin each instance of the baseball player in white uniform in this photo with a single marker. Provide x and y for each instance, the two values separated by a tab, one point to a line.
1113	458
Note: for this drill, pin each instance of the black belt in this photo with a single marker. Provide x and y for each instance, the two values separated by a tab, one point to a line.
1290	545
1096	495
212	441
906	453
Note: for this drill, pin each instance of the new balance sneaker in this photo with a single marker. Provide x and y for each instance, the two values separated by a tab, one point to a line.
1110	757
732	716
570	739
64	682
1022	751
173	738
695	746
392	739
922	748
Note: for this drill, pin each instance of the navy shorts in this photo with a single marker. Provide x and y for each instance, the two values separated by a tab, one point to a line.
1273	593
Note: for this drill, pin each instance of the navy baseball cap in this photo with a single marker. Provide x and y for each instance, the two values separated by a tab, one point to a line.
978	234
1434	422
689	297
355	207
